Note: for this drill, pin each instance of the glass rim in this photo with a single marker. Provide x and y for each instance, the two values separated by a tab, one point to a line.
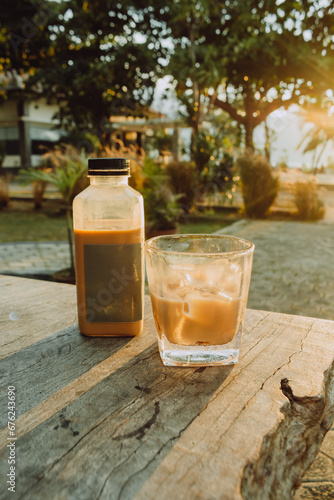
250	246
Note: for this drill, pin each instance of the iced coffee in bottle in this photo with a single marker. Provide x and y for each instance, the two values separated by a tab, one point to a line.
108	219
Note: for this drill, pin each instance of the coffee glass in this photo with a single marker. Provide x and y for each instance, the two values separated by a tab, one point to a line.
199	287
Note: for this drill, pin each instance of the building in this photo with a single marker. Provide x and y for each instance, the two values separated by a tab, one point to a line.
28	127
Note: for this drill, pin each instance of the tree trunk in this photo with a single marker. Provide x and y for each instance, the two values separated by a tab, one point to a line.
267	141
24	133
249	129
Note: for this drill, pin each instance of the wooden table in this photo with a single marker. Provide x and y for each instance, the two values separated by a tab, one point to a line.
104	419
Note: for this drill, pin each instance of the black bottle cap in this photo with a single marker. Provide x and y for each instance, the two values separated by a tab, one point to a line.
108	166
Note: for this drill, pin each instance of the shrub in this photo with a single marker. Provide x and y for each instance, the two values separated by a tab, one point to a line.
162	206
204	149
259	186
184	181
219	176
309	207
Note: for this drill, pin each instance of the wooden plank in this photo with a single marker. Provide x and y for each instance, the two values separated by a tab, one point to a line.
142	430
109	440
32	310
89	379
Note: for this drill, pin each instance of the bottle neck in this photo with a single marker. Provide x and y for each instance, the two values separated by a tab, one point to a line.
107	181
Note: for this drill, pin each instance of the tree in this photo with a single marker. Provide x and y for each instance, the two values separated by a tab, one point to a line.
189	61
280	62
248	58
101	66
25	42
93	57
25	46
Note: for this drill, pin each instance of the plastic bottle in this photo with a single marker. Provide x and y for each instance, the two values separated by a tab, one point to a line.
108	219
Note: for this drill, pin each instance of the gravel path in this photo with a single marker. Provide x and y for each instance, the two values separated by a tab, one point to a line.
293	268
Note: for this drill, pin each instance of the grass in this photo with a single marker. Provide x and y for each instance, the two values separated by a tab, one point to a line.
21	223
32	227
206	222
202	227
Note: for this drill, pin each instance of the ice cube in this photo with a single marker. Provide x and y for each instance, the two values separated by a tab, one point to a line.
177	289
210	309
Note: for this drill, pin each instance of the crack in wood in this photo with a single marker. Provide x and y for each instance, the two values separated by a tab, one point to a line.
268	335
326	455
259	322
312	481
289	360
231	380
301	344
290	357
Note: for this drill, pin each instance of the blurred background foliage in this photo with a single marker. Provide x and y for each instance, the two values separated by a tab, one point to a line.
229	64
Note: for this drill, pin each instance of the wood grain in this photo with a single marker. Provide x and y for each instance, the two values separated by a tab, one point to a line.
110	439
48	407
32	310
39	370
123	426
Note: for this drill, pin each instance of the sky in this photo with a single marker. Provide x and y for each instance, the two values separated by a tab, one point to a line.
289	130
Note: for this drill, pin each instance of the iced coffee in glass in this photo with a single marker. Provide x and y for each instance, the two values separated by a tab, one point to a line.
199	287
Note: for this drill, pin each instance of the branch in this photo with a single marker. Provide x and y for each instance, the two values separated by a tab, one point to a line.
226	106
270	107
